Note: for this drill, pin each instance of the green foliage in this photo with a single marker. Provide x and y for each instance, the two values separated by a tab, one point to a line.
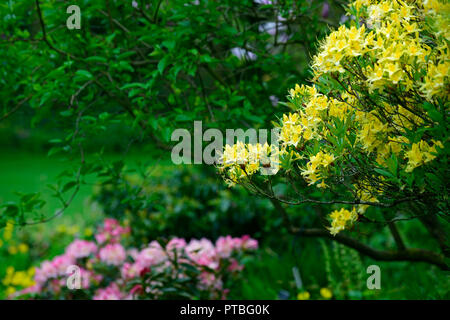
187	204
132	74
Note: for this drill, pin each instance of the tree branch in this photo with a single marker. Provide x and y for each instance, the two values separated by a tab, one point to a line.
402	254
413	254
13	110
397	238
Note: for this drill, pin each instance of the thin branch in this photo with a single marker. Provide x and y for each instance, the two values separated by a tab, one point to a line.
67	203
44	34
17	107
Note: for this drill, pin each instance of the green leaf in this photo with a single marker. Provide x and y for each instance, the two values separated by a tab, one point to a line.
384	173
162	64
69	185
169	44
11	211
84	73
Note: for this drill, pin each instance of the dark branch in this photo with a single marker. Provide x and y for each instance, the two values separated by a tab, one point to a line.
413	255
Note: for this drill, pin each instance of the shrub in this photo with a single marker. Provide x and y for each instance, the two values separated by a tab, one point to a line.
372	129
109	270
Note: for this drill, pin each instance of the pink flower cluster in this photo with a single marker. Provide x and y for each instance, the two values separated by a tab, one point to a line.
107	268
53	273
111	231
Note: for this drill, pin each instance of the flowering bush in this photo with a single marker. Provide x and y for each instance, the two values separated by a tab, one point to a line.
110	271
372	129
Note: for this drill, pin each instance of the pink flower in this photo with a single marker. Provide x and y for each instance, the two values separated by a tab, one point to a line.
81	249
45	272
131	270
133	253
152	255
225	246
61	263
30	290
89	277
111	231
112	292
113	254
51	276
136	290
202	252
101	238
249	243
209	280
235	266
176	244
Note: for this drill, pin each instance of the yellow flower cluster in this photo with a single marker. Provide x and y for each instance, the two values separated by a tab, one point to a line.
317	168
242	160
390	46
383	50
309	123
22	279
304	295
372	132
21	248
326	293
337	46
8	231
421	153
340	219
63	229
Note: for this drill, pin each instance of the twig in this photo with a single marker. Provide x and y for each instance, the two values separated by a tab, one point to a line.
17	107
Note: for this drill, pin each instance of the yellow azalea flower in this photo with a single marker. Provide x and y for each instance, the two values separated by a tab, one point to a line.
322	185
12	250
326	293
340	219
31	271
327	159
419	154
23	248
61	228
8	231
303	295
88	232
9	291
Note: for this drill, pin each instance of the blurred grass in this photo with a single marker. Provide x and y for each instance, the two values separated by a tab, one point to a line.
29	172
